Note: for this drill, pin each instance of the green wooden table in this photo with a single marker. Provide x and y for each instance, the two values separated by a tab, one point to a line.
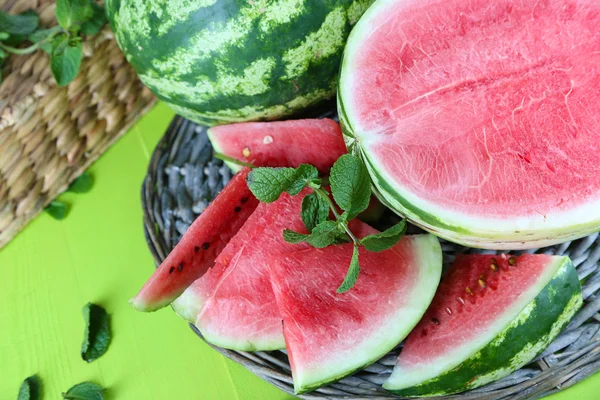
98	254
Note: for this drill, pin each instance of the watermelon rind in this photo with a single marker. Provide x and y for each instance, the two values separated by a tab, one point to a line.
215	144
509	344
227	61
188	305
395	330
500	233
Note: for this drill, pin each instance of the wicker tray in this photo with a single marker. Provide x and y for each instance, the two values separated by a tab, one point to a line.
183	177
49	135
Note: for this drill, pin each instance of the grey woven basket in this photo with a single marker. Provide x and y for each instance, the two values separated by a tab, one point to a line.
183	177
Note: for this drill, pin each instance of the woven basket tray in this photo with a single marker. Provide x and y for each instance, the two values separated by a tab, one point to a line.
183	177
50	135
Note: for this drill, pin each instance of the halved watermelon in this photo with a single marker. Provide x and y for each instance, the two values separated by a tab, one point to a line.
490	316
478	120
198	248
281	143
330	335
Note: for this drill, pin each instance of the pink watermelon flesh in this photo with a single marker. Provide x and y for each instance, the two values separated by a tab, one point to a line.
485	108
330	335
282	143
240	313
198	248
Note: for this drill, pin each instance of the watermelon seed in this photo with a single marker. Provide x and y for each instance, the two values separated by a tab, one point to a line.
196	249
237	209
461	300
244	200
481	283
494	267
512	261
448	310
469	291
268	139
171	270
205	245
246	152
435	321
180	267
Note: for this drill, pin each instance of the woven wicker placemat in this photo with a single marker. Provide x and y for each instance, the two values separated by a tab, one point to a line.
183	177
49	135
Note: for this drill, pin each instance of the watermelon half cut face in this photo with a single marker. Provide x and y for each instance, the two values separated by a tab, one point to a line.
330	335
490	316
479	120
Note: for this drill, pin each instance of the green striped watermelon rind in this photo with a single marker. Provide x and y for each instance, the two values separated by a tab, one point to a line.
536	326
218	62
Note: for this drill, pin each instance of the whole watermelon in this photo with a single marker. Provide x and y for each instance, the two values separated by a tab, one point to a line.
222	61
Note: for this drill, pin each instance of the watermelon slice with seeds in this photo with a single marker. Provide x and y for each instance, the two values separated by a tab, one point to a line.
281	143
490	316
330	335
198	248
478	119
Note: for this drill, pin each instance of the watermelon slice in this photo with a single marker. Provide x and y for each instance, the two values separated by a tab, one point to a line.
330	335
478	120
198	248
490	316
282	143
233	305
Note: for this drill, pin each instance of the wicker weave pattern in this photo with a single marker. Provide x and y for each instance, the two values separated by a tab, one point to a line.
50	135
179	181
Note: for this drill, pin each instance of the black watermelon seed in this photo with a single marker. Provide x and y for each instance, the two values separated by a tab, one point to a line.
244	200
171	270
180	268
435	321
237	209
196	249
205	245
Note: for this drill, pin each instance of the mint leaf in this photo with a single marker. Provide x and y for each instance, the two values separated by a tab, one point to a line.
324	234
21	24
293	237
57	209
352	274
72	13
97	332
4	35
82	184
96	22
65	59
315	210
84	391
29	389
267	184
386	239
350	185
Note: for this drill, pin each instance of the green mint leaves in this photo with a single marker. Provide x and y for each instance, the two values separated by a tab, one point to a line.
350	188
267	184
63	42
29	389
84	391
350	185
97	332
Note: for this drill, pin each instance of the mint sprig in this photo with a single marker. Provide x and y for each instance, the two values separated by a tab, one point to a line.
351	191
62	42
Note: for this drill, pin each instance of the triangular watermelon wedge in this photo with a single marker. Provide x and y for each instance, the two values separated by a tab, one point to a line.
318	142
330	335
491	315
198	248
